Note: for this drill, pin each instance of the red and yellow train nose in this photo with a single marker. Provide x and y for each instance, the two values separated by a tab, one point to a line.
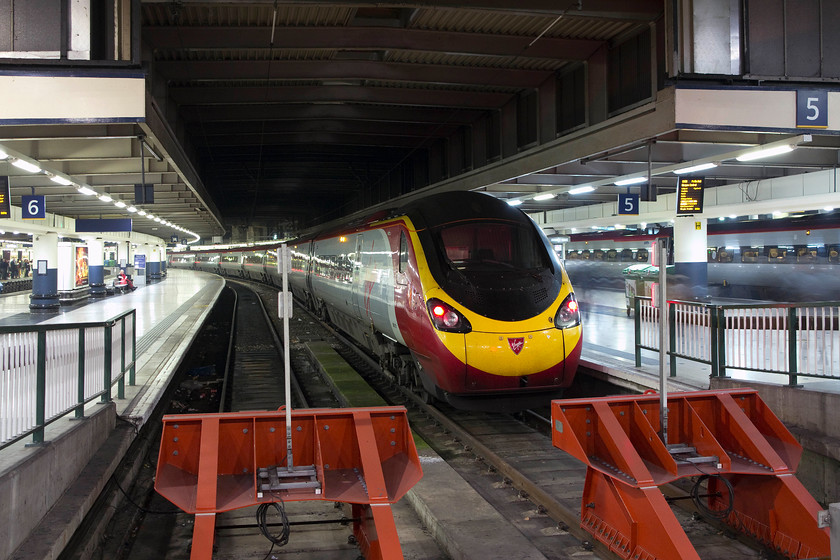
542	351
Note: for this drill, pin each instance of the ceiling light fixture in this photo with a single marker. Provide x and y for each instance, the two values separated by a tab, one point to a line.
86	190
766	152
514	202
60	180
25	165
581	190
131	209
695	168
105	198
545	196
631	181
119	204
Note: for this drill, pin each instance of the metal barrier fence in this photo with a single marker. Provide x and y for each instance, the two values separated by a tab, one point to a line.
785	338
47	371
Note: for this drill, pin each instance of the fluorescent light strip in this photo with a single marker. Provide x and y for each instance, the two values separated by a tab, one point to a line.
581	190
514	202
632	181
86	190
61	180
546	196
695	168
766	152
25	165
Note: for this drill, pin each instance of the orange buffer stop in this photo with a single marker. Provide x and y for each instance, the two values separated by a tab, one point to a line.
211	463
730	439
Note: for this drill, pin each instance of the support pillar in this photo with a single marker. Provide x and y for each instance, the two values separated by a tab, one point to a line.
44	295
690	259
96	267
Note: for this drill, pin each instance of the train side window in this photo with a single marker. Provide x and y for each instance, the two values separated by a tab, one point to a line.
834	254
403	253
626	255
749	254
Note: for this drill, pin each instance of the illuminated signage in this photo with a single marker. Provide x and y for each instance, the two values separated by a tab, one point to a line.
690	196
5	198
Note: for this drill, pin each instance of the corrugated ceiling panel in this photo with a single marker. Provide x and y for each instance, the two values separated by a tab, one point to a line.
477	21
437	87
489	61
244	15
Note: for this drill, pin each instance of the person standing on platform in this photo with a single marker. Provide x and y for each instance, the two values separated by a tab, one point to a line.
4	269
13	269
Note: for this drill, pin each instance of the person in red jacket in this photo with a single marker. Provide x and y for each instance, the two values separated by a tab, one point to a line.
124	280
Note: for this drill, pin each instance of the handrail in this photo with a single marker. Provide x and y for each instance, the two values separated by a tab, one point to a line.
793	339
49	370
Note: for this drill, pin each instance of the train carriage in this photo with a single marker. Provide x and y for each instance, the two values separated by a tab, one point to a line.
459	295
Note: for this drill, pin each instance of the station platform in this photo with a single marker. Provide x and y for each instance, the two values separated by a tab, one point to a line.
45	508
47	489
608	347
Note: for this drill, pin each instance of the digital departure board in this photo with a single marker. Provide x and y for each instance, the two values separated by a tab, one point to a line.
690	196
5	198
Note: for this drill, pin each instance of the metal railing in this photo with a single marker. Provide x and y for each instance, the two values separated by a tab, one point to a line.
47	371
791	339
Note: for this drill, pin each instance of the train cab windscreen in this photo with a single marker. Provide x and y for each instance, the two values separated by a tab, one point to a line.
492	247
499	269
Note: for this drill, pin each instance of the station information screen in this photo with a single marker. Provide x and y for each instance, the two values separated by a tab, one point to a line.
690	196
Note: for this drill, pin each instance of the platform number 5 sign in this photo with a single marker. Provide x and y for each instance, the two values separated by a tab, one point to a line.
628	204
33	207
811	108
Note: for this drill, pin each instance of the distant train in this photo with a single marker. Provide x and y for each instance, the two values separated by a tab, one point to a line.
459	295
794	259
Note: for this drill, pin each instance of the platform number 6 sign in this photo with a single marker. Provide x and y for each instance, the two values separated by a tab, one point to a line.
33	207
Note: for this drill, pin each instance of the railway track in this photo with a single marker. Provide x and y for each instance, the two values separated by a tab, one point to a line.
317	530
508	461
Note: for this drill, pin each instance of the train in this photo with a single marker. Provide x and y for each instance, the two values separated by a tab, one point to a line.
459	295
786	259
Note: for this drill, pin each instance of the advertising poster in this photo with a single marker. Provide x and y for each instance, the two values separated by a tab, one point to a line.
81	266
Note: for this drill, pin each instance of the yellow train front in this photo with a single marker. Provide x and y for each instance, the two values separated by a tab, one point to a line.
485	305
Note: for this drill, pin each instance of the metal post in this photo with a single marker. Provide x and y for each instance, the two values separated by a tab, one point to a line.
721	347
672	336
637	323
287	302
121	382
132	371
713	341
109	335
40	389
792	350
80	396
663	338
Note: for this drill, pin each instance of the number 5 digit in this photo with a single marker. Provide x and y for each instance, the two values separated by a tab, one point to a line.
812	106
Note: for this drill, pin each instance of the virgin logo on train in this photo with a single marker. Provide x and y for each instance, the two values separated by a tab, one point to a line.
516	344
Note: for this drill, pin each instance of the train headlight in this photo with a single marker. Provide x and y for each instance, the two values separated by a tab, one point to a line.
569	313
446	318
